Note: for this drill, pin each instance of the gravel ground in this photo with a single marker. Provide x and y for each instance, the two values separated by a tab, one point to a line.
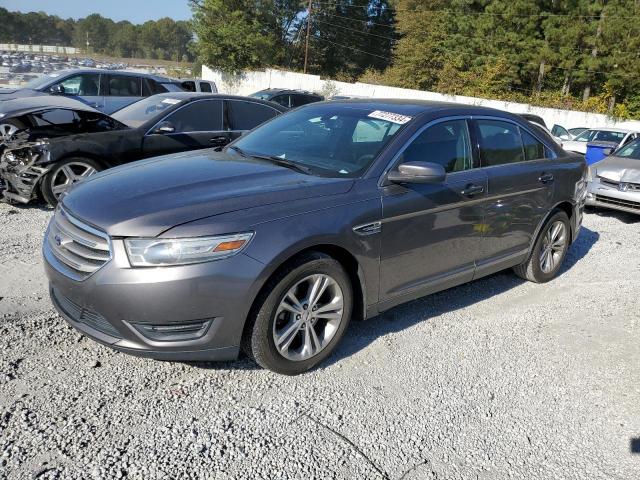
495	379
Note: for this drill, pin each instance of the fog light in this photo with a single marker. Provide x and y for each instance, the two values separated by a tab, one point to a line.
174	332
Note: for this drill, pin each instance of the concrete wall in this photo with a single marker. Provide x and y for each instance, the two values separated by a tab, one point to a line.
250	82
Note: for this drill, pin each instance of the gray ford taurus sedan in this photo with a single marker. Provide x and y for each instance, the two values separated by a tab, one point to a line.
330	212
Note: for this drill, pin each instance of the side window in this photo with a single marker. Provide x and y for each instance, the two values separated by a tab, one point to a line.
445	143
283	100
151	87
58	116
124	86
188	86
298	100
373	131
200	116
205	87
247	115
560	132
533	149
87	84
500	143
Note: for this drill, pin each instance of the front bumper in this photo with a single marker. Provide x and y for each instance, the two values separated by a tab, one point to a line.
610	195
20	184
118	305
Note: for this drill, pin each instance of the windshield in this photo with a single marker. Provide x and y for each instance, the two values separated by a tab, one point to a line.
606	136
631	150
585	136
147	109
261	95
577	131
329	140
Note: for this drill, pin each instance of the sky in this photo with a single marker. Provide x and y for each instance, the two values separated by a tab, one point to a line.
136	11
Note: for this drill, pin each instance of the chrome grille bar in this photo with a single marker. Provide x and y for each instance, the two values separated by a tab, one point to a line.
78	246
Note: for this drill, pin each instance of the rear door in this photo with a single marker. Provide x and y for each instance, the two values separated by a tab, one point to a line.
244	115
195	125
521	173
122	90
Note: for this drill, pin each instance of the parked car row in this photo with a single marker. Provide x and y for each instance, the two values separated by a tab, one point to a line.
61	141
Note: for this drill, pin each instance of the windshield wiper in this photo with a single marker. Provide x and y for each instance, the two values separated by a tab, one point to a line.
283	162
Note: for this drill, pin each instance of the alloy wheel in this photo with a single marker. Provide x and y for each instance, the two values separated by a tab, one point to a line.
308	317
68	174
7	131
554	244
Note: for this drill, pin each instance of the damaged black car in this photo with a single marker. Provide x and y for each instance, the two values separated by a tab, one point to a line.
57	146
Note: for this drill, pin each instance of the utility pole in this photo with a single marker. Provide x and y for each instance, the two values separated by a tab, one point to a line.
306	48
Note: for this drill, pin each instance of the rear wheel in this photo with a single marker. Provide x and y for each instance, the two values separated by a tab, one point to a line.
302	317
549	250
65	174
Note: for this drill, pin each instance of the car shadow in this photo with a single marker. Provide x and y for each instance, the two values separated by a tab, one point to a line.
361	334
624	217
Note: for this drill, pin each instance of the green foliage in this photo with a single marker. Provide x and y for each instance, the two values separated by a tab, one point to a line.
163	39
578	54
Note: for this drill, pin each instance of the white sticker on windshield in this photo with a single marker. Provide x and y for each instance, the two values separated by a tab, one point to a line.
170	101
390	117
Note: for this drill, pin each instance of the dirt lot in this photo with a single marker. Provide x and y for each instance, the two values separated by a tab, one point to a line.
496	379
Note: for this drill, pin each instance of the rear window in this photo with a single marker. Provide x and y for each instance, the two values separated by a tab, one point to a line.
205	87
124	86
248	115
500	143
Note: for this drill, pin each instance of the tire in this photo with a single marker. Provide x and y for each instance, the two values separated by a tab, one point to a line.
59	172
534	269
269	321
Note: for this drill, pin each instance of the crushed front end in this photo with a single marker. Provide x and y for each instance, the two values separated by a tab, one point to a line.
21	168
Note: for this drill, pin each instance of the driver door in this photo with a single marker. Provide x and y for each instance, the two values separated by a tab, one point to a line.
84	87
431	233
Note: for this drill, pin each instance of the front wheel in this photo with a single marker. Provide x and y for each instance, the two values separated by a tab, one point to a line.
65	174
302	317
8	128
549	250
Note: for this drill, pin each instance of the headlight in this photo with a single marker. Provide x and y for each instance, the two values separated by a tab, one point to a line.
158	252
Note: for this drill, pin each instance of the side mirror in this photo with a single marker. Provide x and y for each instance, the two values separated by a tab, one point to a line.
57	90
164	128
418	172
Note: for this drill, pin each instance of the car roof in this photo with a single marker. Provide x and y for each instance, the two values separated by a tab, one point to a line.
612	129
66	71
288	90
20	106
415	107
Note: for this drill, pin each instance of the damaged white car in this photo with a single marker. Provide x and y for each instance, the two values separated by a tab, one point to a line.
614	182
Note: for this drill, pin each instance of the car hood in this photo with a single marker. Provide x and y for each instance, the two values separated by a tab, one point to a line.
13	93
618	169
149	197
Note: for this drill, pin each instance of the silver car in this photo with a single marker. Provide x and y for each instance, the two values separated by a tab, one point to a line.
615	181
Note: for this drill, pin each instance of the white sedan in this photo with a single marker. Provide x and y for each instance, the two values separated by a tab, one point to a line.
619	136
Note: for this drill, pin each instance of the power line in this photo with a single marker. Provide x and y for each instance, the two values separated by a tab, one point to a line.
352	48
494	14
548	43
356	30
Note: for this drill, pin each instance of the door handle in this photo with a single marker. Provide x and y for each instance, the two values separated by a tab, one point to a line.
546	178
471	190
219	140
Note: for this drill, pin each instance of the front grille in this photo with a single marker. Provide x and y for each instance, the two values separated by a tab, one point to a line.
81	315
618	202
79	247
